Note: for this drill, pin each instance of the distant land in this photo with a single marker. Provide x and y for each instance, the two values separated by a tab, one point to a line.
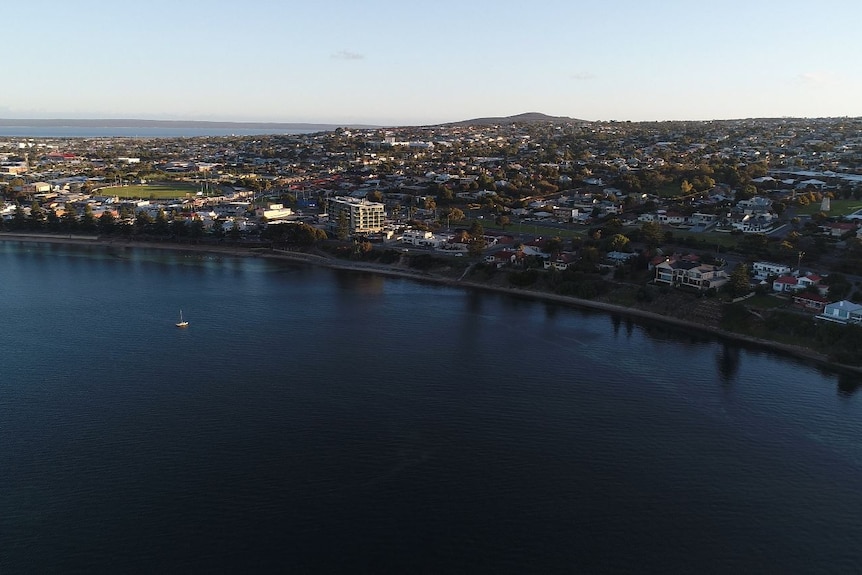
529	118
526	118
180	124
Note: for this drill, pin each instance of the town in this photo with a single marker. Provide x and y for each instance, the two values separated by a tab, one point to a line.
751	226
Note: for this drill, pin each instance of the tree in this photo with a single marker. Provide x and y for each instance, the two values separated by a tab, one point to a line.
554	245
88	220
343	229
196	228
37	217
19	219
161	225
235	233
106	223
476	246
69	219
619	242
686	187
218	228
374	196
652	234
143	221
739	283
476	229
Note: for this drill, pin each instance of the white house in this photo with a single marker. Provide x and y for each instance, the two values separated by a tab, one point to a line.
843	311
762	270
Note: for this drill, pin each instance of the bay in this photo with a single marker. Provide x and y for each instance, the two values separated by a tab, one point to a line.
138	132
315	420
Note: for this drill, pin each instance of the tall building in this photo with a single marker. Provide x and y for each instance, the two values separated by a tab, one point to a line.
362	216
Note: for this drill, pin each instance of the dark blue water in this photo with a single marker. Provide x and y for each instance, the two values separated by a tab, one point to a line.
311	421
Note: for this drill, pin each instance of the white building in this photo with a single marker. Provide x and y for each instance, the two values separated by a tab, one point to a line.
362	216
274	212
762	270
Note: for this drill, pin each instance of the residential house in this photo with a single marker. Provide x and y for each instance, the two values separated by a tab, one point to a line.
619	258
786	284
795	283
560	262
680	273
755	205
810	302
839	229
505	257
762	270
843	311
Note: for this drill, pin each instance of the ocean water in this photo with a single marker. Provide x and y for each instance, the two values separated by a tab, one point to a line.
311	420
135	132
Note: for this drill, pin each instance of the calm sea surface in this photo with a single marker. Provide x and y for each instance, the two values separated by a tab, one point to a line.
312	420
148	132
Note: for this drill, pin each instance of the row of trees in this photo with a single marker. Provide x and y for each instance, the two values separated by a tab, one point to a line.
128	224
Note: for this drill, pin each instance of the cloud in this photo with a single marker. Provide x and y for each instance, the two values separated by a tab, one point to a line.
347	55
583	76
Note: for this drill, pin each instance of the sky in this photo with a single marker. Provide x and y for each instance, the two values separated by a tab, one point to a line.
406	62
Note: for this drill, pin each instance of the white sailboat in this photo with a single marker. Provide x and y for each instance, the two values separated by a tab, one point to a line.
182	322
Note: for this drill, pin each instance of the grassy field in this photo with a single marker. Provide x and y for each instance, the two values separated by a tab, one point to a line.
839	208
154	191
712	239
535	228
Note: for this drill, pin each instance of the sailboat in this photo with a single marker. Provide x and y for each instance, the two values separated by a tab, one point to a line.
182	322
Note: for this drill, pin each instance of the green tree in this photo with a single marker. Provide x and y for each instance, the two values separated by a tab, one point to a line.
161	225
143	222
554	245
739	283
88	220
476	246
53	220
218	228
69	219
19	219
106	223
476	229
652	234
37	218
196	228
455	214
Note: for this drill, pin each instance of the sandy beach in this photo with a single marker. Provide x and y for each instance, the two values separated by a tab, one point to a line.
396	271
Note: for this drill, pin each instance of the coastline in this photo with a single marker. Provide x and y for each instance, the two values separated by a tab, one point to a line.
796	352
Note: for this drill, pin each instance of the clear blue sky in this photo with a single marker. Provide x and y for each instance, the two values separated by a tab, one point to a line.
404	63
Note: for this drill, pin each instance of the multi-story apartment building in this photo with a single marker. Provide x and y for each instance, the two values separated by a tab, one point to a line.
362	216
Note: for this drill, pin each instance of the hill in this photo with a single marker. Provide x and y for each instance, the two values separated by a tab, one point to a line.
526	118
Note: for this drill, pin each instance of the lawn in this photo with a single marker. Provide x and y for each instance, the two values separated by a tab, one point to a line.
536	228
155	191
764	301
838	208
711	239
